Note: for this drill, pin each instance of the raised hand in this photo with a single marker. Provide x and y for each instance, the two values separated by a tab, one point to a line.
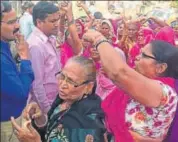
22	46
80	4
92	35
67	7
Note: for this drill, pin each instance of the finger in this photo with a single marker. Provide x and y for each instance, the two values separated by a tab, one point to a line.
15	125
105	137
16	133
89	138
36	115
31	128
26	114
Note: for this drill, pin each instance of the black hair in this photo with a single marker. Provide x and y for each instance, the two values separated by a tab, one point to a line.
98	15
164	52
5	7
42	9
27	5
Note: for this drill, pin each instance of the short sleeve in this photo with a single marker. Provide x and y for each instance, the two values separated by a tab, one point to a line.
169	96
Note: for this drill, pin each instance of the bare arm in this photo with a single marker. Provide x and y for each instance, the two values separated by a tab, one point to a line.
139	87
77	44
161	23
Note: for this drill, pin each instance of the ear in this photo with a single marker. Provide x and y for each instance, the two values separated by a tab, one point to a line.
89	88
39	22
161	68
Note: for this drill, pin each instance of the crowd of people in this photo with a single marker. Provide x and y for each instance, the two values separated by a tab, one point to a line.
89	79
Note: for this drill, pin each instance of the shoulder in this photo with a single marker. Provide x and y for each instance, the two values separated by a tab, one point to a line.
169	96
90	105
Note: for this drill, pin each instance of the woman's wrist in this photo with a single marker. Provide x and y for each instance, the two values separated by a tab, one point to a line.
98	38
41	121
69	16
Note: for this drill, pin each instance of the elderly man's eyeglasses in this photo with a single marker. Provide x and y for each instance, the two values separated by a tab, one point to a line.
60	76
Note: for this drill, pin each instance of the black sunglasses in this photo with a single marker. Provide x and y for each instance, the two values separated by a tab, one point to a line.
147	56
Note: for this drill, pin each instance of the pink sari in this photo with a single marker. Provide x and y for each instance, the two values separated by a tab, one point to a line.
114	107
66	50
166	34
135	50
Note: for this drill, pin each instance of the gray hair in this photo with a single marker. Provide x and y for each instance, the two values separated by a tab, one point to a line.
88	65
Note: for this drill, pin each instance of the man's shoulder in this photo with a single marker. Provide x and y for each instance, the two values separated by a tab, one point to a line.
34	39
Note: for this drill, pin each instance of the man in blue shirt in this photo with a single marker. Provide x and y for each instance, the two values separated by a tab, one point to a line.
15	84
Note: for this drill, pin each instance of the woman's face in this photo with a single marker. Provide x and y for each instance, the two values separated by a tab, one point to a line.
94	54
145	64
79	28
120	29
85	43
105	29
72	75
141	39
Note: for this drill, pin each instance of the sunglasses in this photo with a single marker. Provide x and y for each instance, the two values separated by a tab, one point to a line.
147	56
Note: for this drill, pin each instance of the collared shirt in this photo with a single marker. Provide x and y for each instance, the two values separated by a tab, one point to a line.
45	63
26	24
15	84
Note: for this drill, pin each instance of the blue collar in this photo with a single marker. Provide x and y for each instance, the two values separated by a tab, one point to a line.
5	47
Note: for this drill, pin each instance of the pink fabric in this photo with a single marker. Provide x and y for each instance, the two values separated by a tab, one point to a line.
168	80
135	50
166	34
66	53
104	85
114	108
148	34
114	23
83	28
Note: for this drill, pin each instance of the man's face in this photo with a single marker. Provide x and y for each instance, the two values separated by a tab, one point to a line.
50	25
31	10
9	24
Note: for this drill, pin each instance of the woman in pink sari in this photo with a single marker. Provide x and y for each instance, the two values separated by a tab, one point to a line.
145	35
150	88
166	34
108	31
66	48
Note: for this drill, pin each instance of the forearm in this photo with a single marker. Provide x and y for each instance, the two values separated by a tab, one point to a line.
77	44
106	50
62	24
161	23
85	8
89	24
128	79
